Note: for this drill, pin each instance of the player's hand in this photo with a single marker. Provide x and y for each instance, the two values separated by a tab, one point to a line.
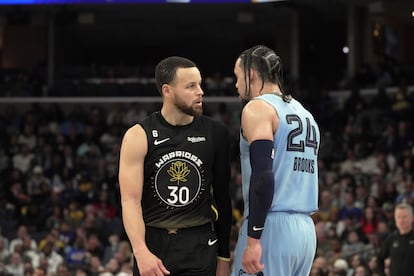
251	256
223	268
149	264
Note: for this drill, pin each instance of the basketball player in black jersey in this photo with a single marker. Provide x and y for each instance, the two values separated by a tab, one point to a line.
174	173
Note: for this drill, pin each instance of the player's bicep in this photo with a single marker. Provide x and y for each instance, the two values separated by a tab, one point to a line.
258	121
131	163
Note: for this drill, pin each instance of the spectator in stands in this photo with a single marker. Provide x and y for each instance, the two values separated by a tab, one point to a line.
404	138
28	253
55	219
319	266
23	159
352	244
53	237
95	266
103	207
15	266
111	247
27	136
4	251
361	270
349	208
52	257
356	261
94	245
39	271
4	160
402	107
22	232
62	269
340	267
372	266
76	255
37	182
369	221
4	238
74	213
335	251
328	211
406	194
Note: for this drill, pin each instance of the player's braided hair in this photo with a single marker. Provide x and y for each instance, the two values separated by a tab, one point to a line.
269	65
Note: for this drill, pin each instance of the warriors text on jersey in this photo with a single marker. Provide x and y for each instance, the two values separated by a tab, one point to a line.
180	170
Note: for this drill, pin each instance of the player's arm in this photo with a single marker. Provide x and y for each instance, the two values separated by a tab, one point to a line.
383	254
259	123
131	180
221	194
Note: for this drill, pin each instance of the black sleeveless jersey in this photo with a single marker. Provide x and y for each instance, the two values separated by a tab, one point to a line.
179	171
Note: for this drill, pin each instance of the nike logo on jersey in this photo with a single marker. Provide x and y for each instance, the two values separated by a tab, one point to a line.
211	242
157	142
255	228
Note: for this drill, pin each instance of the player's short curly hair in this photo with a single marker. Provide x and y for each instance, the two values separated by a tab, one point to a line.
166	69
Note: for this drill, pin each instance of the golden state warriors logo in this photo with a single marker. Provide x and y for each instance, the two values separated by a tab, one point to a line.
178	180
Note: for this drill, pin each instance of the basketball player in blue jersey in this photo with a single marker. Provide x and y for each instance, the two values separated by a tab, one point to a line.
279	143
174	172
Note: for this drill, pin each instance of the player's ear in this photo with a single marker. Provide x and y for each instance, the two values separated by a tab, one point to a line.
166	89
252	74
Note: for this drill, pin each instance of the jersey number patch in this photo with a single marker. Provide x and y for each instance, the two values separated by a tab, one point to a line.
295	143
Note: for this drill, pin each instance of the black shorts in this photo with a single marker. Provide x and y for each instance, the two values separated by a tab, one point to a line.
184	252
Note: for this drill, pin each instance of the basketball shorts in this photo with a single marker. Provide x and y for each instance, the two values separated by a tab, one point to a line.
184	252
288	245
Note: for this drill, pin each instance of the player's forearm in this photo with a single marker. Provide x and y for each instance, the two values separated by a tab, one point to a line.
134	225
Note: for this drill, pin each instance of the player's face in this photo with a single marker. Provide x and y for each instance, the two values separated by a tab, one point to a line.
240	80
403	220
188	95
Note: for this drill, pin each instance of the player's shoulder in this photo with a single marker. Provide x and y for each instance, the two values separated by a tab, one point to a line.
135	130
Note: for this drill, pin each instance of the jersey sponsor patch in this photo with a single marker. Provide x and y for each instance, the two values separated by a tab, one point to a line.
196	139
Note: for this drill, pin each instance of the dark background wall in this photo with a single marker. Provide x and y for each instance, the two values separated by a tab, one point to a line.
211	34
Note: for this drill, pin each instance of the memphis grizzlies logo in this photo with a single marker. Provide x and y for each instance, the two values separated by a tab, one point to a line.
242	272
178	181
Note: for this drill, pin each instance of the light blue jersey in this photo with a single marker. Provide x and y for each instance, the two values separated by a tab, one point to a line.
289	239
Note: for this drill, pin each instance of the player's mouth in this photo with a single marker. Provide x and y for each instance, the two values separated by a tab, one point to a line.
199	102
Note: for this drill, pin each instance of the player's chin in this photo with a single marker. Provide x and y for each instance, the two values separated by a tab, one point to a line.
198	110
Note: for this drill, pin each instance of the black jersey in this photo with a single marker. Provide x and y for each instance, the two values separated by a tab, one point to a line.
400	248
181	167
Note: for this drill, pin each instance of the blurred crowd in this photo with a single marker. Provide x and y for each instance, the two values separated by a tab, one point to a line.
59	194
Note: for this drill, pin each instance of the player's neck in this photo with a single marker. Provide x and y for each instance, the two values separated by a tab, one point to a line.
270	88
175	118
